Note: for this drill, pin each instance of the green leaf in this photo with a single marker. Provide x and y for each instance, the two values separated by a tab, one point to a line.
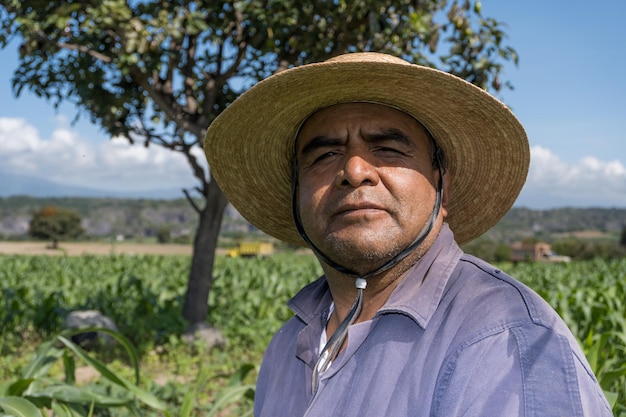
611	397
130	350
609	377
19	407
81	395
228	396
66	410
143	396
16	388
238	377
188	402
45	356
69	365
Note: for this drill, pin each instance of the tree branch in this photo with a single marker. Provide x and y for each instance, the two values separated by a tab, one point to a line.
178	145
198	171
72	47
190	62
191	201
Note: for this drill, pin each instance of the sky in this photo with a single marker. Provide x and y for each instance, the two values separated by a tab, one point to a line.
570	95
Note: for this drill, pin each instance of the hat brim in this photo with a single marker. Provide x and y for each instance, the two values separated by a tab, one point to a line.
249	146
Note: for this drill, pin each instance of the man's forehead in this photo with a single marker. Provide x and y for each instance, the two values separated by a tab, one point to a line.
370	121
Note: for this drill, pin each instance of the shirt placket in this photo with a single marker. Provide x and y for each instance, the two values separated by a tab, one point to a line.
357	335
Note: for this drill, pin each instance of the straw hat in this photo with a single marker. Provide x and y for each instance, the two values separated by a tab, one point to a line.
250	145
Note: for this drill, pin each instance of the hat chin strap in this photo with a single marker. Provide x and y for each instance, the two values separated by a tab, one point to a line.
333	345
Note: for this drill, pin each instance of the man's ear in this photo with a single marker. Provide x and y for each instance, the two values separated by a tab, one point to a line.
446	197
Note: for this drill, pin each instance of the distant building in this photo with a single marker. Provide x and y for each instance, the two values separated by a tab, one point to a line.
535	252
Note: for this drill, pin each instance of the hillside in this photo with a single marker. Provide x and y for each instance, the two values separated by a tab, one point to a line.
108	218
554	223
140	218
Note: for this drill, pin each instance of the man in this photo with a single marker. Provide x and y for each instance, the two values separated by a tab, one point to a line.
383	168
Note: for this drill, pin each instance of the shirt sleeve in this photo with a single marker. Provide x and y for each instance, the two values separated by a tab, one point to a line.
522	371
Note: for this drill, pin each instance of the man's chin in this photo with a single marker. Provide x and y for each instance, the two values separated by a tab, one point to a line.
361	255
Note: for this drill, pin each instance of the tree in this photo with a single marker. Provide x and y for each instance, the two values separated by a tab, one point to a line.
164	234
158	72
622	238
55	224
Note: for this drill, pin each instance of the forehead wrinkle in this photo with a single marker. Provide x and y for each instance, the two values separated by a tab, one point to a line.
384	135
368	133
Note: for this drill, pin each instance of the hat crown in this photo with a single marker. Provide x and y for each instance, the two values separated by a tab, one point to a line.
368	57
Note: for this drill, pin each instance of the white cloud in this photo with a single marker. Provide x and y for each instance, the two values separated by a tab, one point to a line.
68	159
591	182
16	136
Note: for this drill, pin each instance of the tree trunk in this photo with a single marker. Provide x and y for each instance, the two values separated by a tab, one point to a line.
196	307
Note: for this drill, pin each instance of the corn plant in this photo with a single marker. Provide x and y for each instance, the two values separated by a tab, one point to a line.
36	393
590	296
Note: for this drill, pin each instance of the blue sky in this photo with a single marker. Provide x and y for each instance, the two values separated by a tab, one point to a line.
570	94
570	91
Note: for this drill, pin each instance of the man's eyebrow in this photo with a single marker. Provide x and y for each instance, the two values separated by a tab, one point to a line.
390	134
320	142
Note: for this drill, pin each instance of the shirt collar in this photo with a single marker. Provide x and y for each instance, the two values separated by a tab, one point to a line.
421	289
311	300
417	296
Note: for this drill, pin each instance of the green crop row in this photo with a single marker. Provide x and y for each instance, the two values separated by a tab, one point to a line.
144	294
591	298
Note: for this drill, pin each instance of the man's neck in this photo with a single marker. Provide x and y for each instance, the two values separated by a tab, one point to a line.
379	288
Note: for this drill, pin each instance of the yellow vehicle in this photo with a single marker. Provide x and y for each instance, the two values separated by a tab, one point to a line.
251	249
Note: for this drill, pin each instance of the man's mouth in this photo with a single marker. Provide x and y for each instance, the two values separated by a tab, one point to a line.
361	207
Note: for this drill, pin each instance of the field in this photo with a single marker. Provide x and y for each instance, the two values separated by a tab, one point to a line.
92	248
143	294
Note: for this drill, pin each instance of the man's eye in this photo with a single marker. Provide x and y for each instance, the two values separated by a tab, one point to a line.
387	150
325	155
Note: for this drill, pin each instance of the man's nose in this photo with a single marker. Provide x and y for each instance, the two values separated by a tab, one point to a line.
358	170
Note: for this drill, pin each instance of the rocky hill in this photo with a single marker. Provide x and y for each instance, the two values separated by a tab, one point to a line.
110	218
140	218
584	223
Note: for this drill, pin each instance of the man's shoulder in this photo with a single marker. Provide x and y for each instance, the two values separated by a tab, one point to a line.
494	303
492	291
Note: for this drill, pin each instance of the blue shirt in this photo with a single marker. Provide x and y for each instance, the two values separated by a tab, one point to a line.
457	337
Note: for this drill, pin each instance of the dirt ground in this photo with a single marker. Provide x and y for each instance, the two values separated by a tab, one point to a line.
92	248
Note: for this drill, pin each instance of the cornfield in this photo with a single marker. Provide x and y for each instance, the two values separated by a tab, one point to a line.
143	294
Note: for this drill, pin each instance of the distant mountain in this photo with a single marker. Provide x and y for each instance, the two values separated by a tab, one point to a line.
595	223
138	217
22	185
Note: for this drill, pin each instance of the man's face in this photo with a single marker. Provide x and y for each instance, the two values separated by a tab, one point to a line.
366	182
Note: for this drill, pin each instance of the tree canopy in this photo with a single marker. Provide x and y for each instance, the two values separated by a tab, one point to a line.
158	72
55	224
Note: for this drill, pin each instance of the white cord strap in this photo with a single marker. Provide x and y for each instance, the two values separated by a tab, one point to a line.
338	338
